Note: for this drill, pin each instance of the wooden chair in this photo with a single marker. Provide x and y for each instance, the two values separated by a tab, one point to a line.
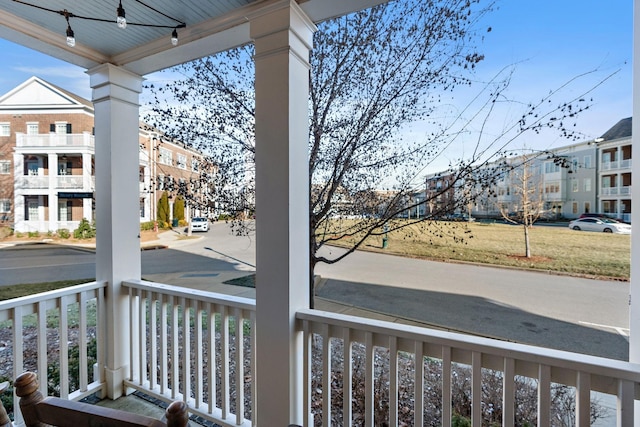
40	411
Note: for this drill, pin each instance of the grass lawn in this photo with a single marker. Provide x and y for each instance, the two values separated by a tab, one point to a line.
556	249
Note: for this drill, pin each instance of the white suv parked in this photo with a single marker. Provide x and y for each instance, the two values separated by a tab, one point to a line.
199	224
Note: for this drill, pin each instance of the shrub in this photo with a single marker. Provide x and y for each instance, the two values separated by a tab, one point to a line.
53	369
183	223
33	234
85	230
7	397
5	232
163	209
178	208
64	233
146	226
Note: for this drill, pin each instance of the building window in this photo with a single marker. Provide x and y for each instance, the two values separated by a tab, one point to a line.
160	182
587	162
141	208
32	128
5	129
575	187
65	208
587	207
166	157
587	184
194	165
5	205
32	210
5	167
552	187
550	167
574	208
182	161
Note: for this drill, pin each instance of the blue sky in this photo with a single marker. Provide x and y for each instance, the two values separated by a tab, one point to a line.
549	40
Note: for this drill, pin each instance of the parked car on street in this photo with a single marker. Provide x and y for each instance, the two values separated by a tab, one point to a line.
605	225
199	224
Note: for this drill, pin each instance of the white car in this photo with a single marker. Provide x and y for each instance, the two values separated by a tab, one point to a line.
199	224
605	225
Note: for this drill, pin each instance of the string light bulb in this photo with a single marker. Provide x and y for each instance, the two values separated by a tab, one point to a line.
121	20
71	38
174	37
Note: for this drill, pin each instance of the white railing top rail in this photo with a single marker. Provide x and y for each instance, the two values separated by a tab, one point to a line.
31	300
193	294
529	357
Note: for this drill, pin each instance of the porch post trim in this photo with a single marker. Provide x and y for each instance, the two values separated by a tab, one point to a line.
283	39
115	98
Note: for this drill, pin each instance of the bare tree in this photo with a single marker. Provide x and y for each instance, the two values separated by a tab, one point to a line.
527	197
374	75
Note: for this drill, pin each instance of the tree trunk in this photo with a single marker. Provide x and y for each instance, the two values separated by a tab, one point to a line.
527	247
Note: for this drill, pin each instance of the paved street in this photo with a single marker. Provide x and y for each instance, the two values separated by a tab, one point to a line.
589	316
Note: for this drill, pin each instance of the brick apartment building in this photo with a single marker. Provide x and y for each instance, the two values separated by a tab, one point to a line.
47	168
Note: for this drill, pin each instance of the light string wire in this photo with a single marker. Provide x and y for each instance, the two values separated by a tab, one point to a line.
68	15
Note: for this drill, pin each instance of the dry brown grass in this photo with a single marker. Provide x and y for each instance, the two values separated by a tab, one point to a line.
556	249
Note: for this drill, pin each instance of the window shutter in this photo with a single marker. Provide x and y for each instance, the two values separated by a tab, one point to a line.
68	127
52	127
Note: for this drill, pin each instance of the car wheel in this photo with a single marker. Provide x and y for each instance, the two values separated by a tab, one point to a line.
575	227
608	230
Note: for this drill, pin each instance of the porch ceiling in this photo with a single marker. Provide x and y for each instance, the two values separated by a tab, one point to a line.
211	26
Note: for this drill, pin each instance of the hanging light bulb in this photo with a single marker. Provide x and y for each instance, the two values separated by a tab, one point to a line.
121	20
71	38
174	37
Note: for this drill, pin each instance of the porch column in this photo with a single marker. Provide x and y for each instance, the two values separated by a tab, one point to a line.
634	301
53	192
115	99
283	39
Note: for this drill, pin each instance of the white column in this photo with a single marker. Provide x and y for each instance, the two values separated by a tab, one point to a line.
283	39
53	191
18	197
634	309
115	99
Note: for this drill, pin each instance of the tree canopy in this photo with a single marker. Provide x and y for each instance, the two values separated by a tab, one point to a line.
375	75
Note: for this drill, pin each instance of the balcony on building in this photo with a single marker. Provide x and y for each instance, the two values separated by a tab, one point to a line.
616	158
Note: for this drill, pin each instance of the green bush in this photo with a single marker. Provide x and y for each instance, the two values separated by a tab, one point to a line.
85	230
178	208
33	234
53	369
147	226
7	397
64	233
5	232
163	209
183	223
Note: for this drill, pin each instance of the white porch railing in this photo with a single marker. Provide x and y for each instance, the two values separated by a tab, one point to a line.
167	355
431	354
32	182
55	140
50	322
197	347
70	182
